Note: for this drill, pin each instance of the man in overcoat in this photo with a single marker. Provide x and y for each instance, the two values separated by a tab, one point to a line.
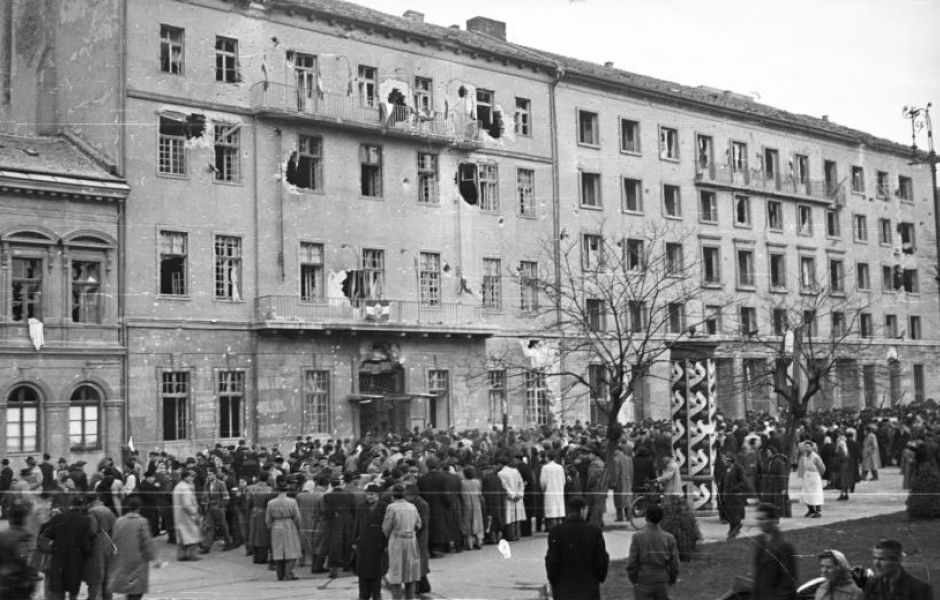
71	534
400	525
576	562
370	543
775	573
339	512
435	488
186	517
283	520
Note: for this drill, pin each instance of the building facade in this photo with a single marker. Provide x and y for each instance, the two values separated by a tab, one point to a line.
339	219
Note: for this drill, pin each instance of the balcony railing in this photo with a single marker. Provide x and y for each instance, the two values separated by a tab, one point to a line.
293	311
762	181
341	108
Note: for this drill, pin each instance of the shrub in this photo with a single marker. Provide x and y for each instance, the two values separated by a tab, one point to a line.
923	501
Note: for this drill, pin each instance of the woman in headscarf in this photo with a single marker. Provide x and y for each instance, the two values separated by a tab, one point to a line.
810	469
839	584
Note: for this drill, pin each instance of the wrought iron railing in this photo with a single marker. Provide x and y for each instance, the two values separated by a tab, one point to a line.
272	309
761	180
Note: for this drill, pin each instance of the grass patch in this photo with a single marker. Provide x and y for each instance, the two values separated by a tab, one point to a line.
715	566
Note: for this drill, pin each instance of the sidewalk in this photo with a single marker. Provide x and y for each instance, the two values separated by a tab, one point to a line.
474	574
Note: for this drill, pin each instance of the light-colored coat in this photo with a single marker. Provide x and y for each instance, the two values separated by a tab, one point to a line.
871	458
400	526
552	481
283	519
130	569
514	485
471	507
186	514
811	469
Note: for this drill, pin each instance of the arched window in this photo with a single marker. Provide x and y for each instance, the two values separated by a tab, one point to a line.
84	417
23	419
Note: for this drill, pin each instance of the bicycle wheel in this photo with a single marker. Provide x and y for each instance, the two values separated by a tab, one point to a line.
637	512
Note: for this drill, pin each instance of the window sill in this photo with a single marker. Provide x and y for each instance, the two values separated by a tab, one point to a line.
741	287
591	206
180	176
674	217
712	285
229	183
490	310
85	448
778	290
669	159
858	241
587	145
527	216
229	300
837	294
744	226
638	213
636	153
775	229
175	297
429	204
808	234
837	238
374	198
315	192
858	193
863	290
707	221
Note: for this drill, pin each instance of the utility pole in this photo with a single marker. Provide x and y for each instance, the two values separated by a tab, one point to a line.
920	119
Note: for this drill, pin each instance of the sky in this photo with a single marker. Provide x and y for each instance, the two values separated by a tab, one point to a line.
857	61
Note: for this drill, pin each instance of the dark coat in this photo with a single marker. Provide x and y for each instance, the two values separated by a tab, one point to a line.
371	542
339	513
774	569
908	588
576	562
71	535
424	512
493	493
644	469
435	488
734	492
774	483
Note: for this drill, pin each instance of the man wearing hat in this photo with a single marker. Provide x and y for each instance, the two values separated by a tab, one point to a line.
282	516
775	573
369	544
733	494
339	513
596	488
186	517
400	524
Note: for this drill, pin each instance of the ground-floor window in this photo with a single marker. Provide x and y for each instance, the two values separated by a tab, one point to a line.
84	418
317	402
175	400
231	403
23	419
537	409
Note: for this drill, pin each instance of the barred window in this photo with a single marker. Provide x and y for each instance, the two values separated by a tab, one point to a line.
227	144
228	268
429	277
427	179
537	407
174	396
317	401
231	403
492	283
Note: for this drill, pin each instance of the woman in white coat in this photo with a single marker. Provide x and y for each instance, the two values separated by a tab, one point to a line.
811	469
186	518
552	482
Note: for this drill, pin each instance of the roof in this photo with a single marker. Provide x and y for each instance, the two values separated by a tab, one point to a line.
700	96
52	155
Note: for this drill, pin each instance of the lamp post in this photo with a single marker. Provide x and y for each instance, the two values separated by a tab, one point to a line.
920	119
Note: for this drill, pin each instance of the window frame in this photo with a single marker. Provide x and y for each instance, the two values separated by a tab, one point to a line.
857	178
33	306
525	193
808	287
185	263
776	210
522	119
885	234
708	207
860	228
837	276
746	273
167	45
528	285
227	68
714	281
745	201
429	279
22	405
801	229
183	417
488	179
773	281
312	159
669	152
76	305
368	86
237	292
833	224
172	156
317	393
428	177
625	182
491	287
666	187
593	121
372	188
597	201
227	153
237	393
862	277
83	444
675	259
637	149
317	270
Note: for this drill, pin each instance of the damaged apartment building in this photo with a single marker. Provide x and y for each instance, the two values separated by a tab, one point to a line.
338	219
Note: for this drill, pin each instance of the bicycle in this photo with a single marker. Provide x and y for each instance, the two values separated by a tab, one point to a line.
651	493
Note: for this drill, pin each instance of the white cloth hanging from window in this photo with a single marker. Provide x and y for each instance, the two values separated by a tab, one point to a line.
35	333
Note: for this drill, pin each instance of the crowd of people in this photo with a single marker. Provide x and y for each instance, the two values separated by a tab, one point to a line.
383	506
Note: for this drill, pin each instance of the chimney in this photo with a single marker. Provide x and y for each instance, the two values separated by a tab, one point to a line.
414	16
825	117
454	27
609	64
490	27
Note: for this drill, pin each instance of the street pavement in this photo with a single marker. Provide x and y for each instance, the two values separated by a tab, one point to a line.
480	573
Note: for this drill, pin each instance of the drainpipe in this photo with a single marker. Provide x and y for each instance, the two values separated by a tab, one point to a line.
122	225
556	206
279	195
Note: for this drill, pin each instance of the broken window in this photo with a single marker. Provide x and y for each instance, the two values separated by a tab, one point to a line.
634	255
807	273
427	178
305	75
708	207
738	157
860	228
173	263
668	143
492	290
529	285
833	224
632	195
884	232
805	219
373	274
174	397
858	180
370	159
523	116
774	215
231	388
467	183
311	271
711	263
525	190
745	268
778	271
226	60
911	282
836	276
672	206
588	133
429	278
592	251
771	158
26	287
368	86
591	189
172	155
914	329
228	268
485	109
489	186
424	101
905	188
883	187
704	149
227	153
305	167
630	136
594	314
887	279
675	263
171	49
906	233
742	211
86	287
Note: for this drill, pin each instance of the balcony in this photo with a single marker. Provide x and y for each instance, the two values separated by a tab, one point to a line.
292	312
748	180
280	100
